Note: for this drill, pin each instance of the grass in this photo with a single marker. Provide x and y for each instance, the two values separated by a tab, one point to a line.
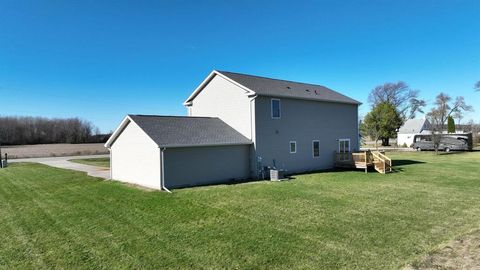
99	162
55	218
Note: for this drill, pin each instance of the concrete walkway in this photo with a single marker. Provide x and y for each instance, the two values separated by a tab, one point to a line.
64	163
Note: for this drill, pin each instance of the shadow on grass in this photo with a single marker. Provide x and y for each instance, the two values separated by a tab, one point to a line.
220	183
292	176
442	153
403	162
396	162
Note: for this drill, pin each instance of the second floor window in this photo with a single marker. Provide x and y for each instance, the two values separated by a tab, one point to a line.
275	108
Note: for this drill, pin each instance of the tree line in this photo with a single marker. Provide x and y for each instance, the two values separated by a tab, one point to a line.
19	130
394	103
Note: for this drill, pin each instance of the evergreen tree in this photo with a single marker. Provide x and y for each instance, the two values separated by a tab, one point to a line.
381	123
450	125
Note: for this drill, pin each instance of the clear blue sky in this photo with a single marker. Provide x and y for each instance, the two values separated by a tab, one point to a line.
100	60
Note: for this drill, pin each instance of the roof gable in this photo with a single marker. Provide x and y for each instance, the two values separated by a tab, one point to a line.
414	126
276	88
208	80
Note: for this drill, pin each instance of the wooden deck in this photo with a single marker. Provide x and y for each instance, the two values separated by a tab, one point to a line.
363	160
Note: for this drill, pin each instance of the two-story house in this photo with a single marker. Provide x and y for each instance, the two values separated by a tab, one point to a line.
237	127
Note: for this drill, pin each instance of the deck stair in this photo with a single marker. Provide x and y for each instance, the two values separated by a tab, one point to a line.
363	160
381	162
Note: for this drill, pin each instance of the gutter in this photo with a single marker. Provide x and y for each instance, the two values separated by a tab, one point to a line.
205	145
353	102
162	171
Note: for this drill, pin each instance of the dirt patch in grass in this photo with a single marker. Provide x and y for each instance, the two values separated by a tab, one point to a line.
462	253
54	150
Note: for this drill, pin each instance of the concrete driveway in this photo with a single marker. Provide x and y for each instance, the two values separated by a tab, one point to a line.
64	163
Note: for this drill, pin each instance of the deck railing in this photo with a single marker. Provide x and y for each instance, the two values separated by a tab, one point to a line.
363	159
384	163
353	157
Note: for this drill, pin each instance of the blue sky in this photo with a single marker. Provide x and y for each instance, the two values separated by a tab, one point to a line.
100	60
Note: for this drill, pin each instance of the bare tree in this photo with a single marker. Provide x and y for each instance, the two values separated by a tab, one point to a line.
475	129
458	116
440	113
36	130
401	96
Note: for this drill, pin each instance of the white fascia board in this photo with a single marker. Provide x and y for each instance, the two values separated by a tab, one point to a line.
212	74
117	131
126	121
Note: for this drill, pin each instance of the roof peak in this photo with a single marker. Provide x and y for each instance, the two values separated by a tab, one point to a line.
269	78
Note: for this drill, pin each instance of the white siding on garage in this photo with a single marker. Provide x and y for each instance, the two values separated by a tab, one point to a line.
191	166
227	101
405	139
135	158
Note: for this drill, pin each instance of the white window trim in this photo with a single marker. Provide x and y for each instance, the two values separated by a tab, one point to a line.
313	148
344	140
279	108
290	147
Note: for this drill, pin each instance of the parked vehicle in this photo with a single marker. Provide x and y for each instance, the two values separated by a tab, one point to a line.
450	142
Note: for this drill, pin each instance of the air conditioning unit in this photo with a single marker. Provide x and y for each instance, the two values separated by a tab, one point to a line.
277	175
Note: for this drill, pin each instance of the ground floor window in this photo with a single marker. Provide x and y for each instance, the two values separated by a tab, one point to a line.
344	149
316	148
293	147
343	145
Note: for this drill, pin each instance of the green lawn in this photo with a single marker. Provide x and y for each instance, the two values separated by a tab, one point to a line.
100	162
55	218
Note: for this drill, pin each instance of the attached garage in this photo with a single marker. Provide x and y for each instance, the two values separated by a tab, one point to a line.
164	152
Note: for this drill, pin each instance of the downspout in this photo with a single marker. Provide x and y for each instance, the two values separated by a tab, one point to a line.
359	141
162	171
111	168
251	119
253	138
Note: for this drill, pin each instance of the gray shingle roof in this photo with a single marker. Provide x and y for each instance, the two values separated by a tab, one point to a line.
281	88
414	126
171	131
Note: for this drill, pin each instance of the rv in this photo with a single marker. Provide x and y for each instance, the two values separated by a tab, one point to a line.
448	142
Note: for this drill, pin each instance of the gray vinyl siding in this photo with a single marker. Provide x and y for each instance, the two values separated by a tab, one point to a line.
192	166
303	121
